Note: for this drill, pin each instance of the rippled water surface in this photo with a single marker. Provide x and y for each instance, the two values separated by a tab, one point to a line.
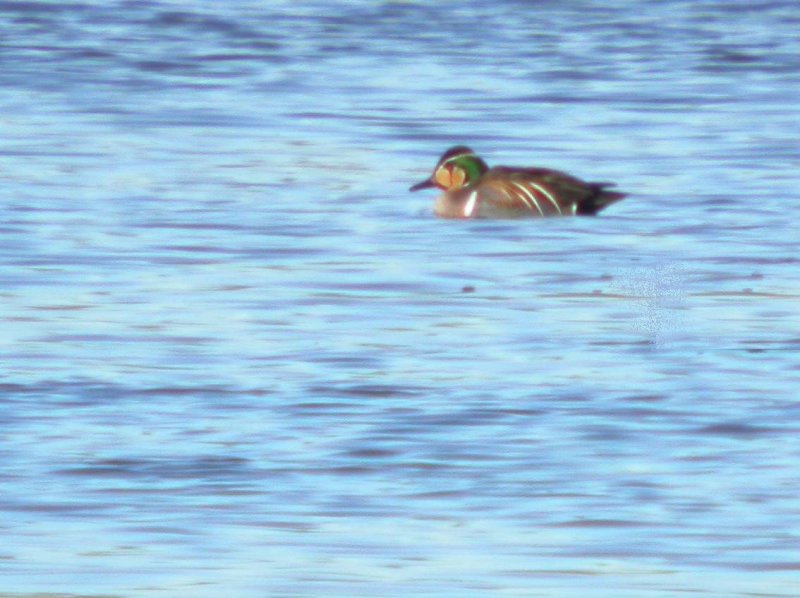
238	358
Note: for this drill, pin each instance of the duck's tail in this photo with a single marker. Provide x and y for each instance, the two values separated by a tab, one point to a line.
600	199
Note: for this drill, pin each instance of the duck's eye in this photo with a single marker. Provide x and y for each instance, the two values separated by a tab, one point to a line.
443	177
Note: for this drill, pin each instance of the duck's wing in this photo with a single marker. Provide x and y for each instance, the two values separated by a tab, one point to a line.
544	192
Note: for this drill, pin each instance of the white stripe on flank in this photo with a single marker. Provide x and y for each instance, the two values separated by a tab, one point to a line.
529	198
546	193
468	209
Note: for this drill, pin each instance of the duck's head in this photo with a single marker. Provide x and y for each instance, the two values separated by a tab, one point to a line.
457	168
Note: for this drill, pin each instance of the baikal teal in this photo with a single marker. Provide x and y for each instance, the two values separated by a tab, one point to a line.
473	190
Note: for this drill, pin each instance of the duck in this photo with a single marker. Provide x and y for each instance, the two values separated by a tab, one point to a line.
473	190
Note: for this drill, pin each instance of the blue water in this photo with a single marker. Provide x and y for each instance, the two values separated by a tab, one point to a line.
238	358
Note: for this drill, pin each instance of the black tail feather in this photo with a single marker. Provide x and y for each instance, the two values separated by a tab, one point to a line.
600	199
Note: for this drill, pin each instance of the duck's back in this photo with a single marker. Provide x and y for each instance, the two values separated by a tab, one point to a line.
539	192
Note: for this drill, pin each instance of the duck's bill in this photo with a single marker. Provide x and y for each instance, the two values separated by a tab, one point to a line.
423	185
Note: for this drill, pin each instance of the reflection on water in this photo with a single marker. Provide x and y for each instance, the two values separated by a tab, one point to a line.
238	357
